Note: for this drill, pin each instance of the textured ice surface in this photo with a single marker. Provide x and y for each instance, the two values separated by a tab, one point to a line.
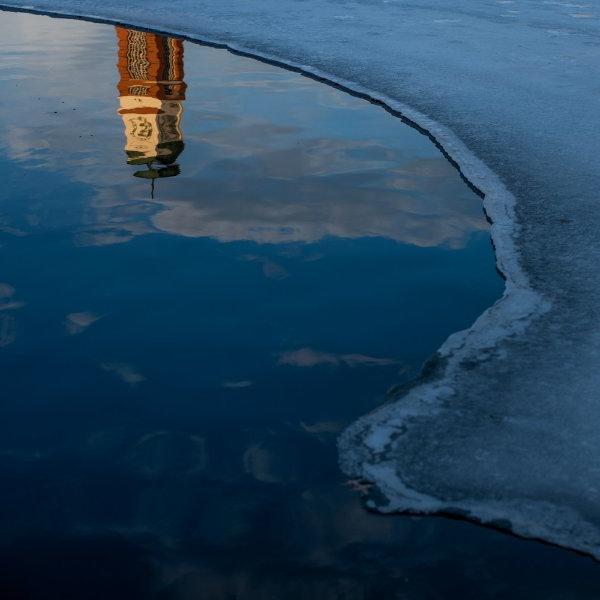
505	424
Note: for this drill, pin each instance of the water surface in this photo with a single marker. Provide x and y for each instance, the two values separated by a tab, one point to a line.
208	268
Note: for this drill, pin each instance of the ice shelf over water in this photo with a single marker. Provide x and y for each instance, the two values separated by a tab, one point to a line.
504	425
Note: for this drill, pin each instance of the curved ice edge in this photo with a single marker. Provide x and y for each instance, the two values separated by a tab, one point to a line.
536	520
362	444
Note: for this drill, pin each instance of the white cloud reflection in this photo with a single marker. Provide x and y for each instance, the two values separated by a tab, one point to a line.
6	290
423	203
8	330
127	373
78	322
308	357
270	268
237	385
272	176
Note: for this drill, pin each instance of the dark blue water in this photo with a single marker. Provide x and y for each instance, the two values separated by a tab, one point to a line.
208	268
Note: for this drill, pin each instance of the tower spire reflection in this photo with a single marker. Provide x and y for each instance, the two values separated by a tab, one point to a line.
151	95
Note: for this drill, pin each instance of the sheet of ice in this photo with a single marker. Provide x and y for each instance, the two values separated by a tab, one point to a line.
503	427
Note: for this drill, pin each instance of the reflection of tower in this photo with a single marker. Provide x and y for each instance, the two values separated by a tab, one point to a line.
151	94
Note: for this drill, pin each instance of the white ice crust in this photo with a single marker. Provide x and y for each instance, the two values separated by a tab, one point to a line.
503	427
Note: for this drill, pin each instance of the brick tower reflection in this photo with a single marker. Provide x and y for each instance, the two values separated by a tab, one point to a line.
151	95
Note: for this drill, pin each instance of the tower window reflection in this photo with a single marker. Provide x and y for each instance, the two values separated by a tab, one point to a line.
151	94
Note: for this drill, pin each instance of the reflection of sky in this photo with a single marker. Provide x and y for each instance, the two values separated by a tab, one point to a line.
413	204
176	396
270	156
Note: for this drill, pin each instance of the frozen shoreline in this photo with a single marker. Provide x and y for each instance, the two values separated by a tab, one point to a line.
484	436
